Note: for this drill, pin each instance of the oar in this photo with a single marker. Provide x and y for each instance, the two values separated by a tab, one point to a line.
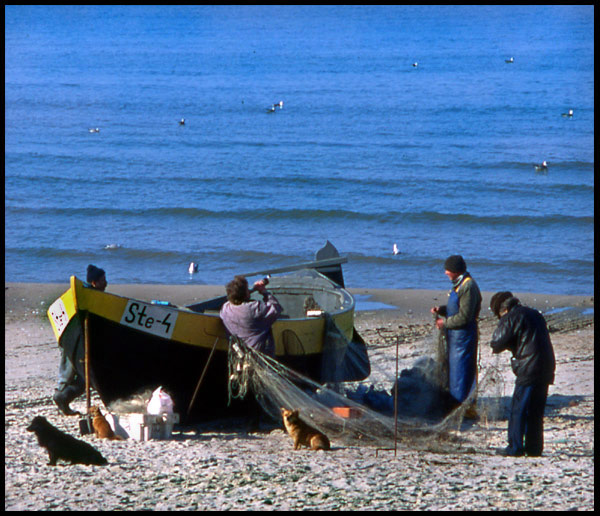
308	265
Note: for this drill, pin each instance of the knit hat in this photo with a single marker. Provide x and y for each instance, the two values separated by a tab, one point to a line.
456	264
496	301
94	273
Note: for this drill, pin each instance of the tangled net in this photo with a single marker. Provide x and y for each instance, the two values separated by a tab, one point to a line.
357	424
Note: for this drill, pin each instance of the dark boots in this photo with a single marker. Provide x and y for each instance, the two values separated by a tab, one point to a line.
66	396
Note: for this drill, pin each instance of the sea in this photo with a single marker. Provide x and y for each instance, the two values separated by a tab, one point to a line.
418	126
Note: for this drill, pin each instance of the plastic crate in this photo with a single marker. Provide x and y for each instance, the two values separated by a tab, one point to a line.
143	427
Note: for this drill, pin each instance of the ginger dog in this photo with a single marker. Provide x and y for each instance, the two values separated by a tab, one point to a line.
303	434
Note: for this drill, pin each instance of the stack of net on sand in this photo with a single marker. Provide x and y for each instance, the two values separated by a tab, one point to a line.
359	423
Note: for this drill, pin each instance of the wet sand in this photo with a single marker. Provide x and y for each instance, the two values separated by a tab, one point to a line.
220	466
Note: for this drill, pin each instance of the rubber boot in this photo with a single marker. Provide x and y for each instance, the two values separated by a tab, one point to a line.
66	396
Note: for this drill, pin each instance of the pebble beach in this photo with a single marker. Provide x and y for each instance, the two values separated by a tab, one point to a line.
220	466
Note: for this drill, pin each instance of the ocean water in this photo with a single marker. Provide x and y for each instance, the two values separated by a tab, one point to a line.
367	151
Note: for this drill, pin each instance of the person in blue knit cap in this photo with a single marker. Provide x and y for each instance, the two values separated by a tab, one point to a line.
70	383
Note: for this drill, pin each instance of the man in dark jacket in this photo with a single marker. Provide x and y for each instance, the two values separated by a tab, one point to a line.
523	331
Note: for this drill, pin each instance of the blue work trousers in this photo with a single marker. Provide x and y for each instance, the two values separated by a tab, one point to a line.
525	426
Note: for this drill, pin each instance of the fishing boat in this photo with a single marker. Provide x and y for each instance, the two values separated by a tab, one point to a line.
134	345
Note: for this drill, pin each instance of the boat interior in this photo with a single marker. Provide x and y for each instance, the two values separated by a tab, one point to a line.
298	293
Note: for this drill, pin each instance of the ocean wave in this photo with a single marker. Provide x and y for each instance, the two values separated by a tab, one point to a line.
347	184
528	165
428	262
296	214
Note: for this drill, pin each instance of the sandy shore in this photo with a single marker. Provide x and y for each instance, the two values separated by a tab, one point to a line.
220	466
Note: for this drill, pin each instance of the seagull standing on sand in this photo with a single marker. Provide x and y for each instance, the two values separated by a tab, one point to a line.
395	249
543	167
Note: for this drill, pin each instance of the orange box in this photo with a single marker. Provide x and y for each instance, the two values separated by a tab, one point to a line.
347	412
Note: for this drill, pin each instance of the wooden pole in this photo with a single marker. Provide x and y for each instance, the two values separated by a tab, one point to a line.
396	401
86	334
201	378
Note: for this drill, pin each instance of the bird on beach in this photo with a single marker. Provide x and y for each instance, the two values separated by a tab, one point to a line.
395	249
193	268
182	121
569	114
94	130
511	60
542	168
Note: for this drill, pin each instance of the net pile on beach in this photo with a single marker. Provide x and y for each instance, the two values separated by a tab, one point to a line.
364	416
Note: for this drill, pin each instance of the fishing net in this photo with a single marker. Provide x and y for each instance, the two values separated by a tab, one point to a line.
357	415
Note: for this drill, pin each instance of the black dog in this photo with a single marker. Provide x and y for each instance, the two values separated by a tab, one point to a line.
63	446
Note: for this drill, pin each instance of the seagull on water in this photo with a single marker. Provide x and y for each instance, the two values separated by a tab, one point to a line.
415	64
94	130
395	249
569	114
193	268
182	121
543	167
511	60
274	106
